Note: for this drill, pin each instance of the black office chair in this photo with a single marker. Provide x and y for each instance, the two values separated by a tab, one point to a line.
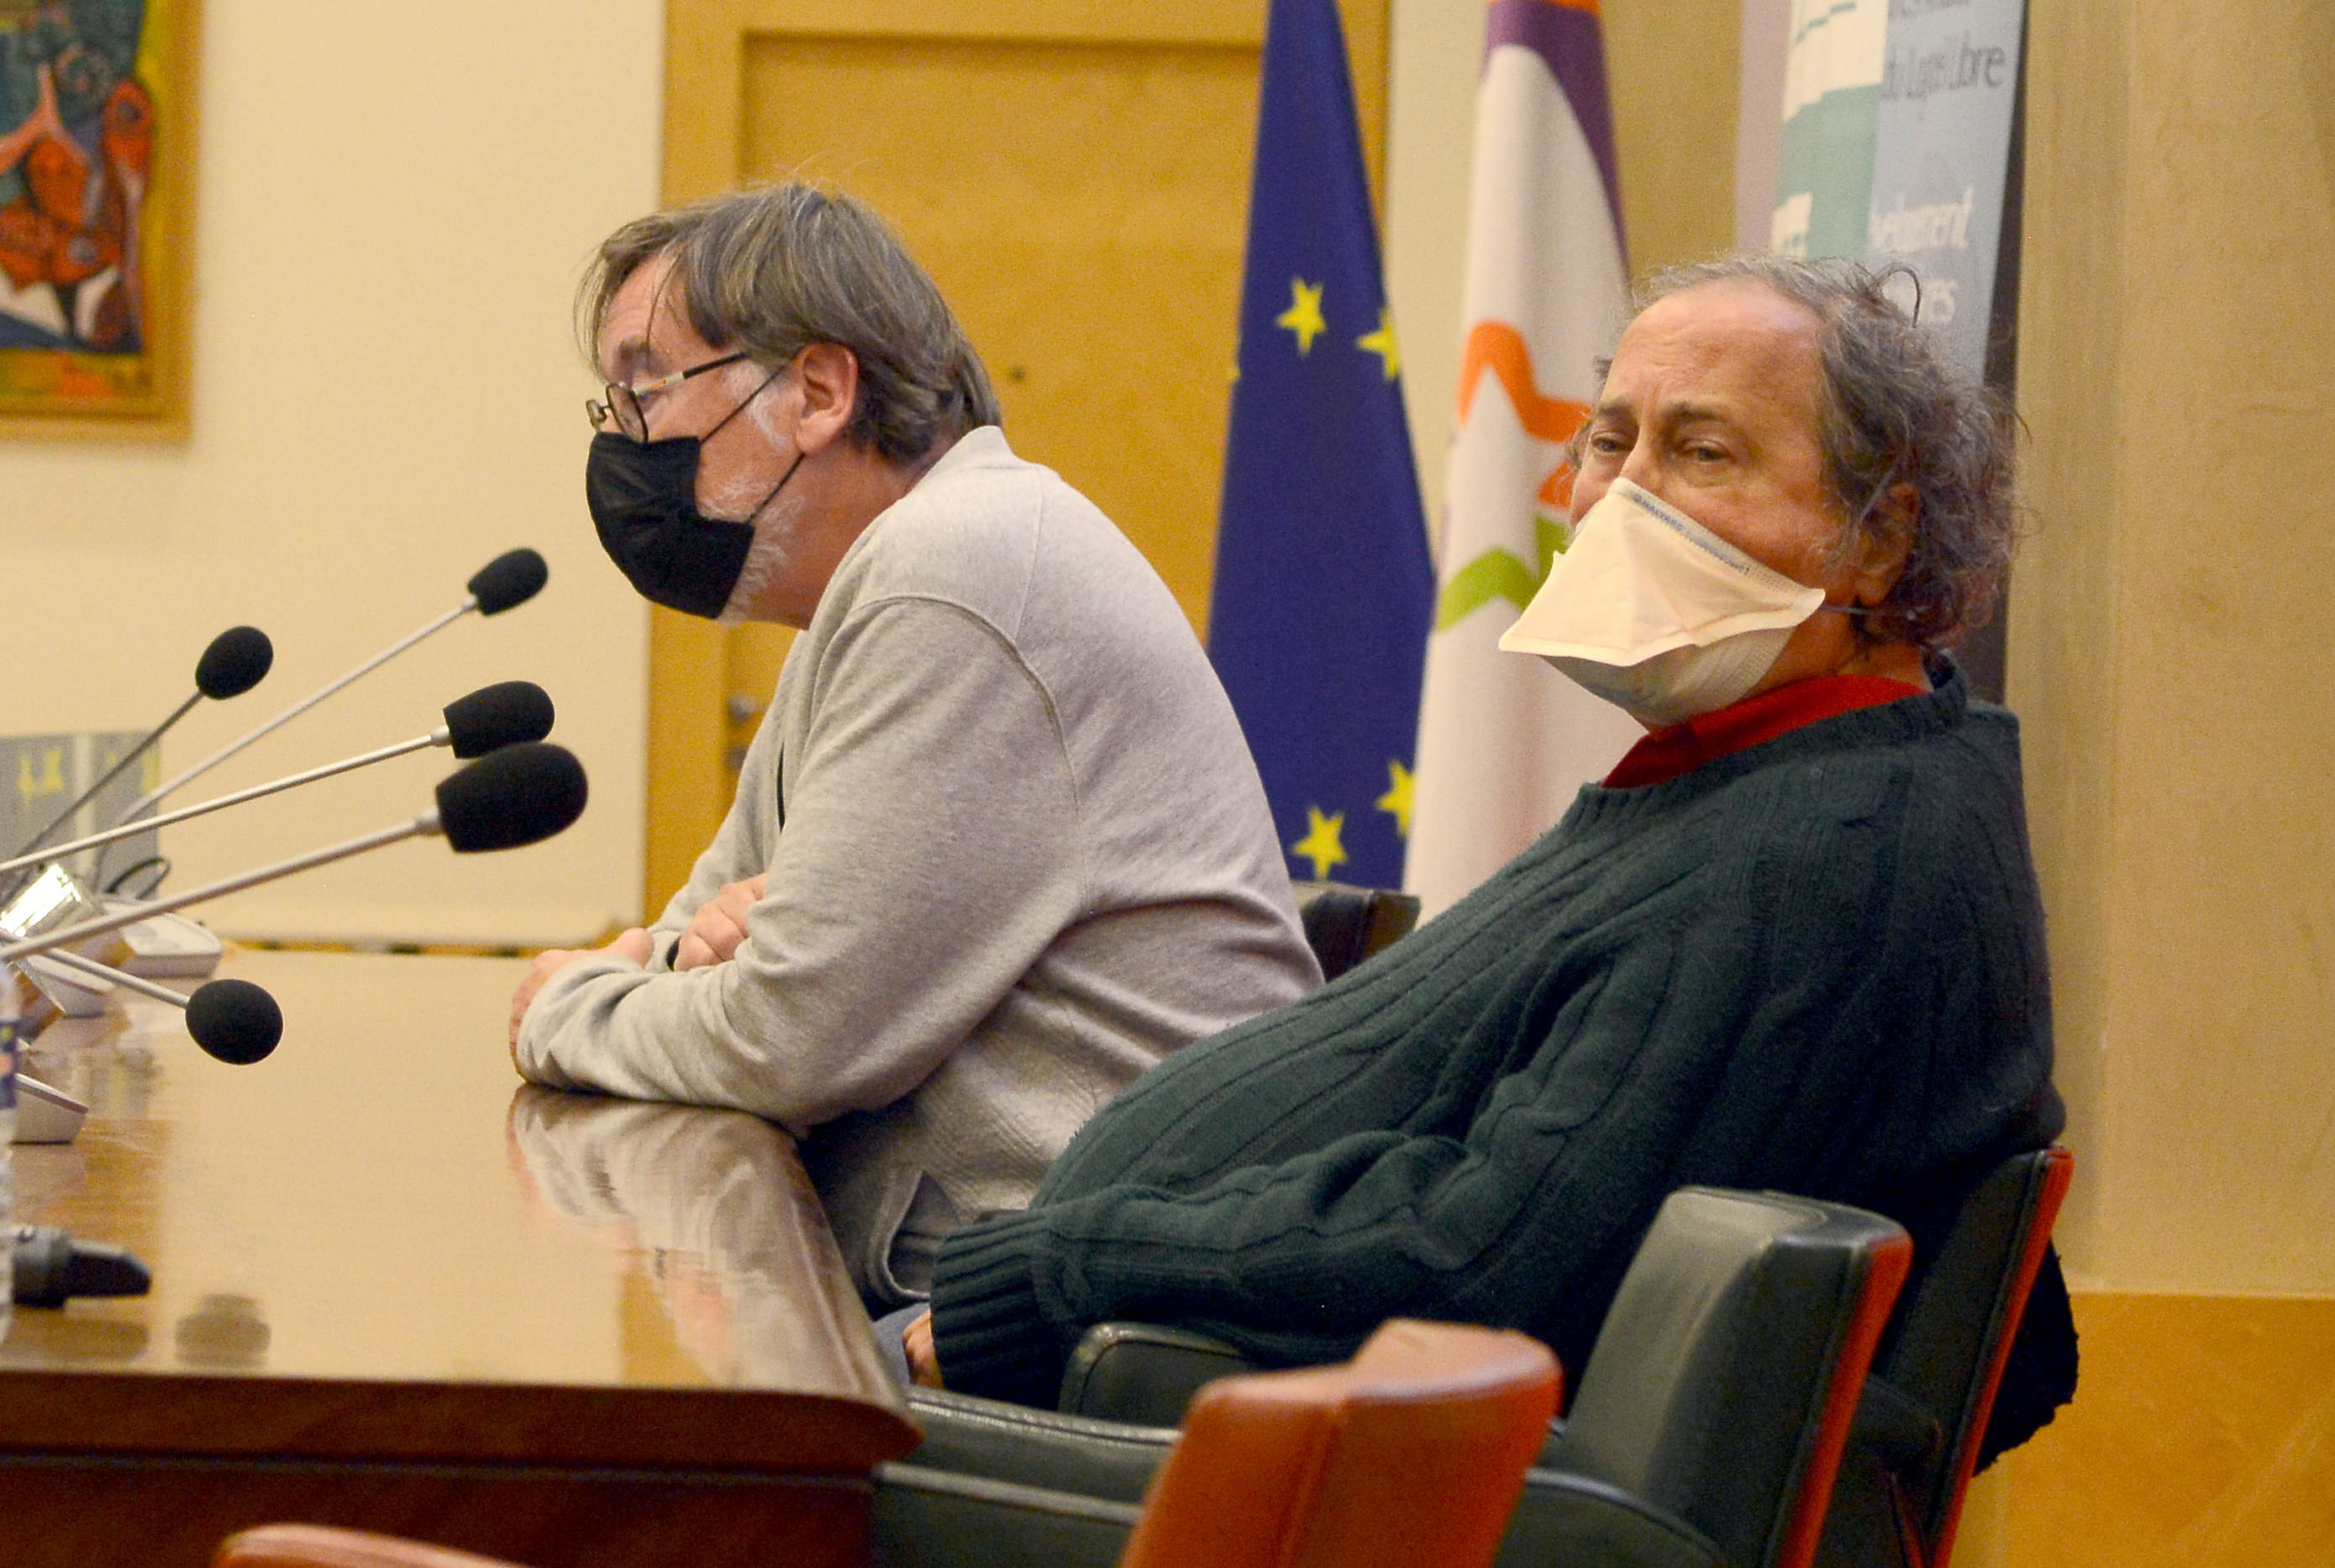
1925	1412
1717	1401
1709	1420
1345	924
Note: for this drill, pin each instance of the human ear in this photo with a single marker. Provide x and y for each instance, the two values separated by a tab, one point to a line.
1883	544
829	375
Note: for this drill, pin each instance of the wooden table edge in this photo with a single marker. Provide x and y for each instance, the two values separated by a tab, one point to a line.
446	1422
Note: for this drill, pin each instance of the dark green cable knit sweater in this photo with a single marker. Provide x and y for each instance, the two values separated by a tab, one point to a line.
1816	965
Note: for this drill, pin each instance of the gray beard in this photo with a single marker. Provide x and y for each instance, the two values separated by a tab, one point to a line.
773	547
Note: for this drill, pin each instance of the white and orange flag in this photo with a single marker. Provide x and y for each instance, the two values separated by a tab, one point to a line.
1504	740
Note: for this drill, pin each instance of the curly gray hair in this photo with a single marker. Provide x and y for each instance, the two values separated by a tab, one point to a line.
774	269
1894	413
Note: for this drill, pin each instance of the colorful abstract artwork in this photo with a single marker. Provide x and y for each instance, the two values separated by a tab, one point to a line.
96	149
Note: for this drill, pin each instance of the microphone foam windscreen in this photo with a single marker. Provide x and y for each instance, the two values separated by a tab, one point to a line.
519	795
234	1021
493	717
235	662
513	577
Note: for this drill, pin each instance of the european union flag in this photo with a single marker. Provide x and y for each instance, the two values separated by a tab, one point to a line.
1319	621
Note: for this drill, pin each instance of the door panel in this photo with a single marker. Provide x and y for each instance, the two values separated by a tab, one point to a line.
1082	207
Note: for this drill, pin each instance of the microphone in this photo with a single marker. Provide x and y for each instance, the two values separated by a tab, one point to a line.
509	580
519	795
235	661
490	718
233	1021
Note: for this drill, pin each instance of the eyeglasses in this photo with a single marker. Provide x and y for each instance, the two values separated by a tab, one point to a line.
622	407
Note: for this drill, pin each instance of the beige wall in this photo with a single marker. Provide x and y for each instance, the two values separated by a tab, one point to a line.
393	202
2168	643
2169	661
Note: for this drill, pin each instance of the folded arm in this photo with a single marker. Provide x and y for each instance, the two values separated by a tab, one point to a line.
930	853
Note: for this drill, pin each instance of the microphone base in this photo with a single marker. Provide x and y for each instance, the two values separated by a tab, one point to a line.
167	946
74	995
45	1114
53	899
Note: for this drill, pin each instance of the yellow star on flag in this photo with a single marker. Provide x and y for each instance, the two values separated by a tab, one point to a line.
1321	844
1303	315
1381	343
1396	801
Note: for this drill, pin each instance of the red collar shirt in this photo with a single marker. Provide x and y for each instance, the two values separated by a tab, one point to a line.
1681	749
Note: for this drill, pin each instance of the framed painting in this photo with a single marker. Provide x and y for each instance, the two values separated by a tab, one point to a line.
97	162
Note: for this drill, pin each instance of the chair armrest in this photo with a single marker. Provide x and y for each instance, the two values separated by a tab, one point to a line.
967	1435
1346	924
928	1519
1143	1374
1566	1521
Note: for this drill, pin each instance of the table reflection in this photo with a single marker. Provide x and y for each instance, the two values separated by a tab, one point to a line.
346	1210
710	1207
360	1317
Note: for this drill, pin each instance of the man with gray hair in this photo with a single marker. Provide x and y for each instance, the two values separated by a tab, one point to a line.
998	847
1792	942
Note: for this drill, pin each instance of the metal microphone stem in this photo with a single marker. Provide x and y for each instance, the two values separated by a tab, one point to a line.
130	830
294	712
66	959
74	935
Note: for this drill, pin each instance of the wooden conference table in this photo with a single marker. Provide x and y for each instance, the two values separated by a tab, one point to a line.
395	1288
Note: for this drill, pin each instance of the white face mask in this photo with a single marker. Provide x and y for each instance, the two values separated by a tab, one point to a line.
1654	612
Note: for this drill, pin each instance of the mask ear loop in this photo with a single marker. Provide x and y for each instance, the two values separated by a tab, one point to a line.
749	397
733	414
783	478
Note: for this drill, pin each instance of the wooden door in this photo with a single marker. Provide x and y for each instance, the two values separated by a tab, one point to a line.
1075	175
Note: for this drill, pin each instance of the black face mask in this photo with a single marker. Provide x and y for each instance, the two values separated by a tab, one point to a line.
644	502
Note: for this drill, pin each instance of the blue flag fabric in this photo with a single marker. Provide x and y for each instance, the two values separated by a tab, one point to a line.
1324	589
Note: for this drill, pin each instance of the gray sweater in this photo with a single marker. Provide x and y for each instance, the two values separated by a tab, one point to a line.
1017	853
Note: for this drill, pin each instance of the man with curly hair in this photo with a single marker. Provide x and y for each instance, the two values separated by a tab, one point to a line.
1793	942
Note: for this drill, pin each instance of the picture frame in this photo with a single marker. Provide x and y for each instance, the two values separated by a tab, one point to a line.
97	206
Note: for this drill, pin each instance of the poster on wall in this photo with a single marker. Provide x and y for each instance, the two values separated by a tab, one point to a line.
1896	144
47	773
1832	95
96	187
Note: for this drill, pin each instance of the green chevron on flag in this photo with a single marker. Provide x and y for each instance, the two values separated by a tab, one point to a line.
1500	574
